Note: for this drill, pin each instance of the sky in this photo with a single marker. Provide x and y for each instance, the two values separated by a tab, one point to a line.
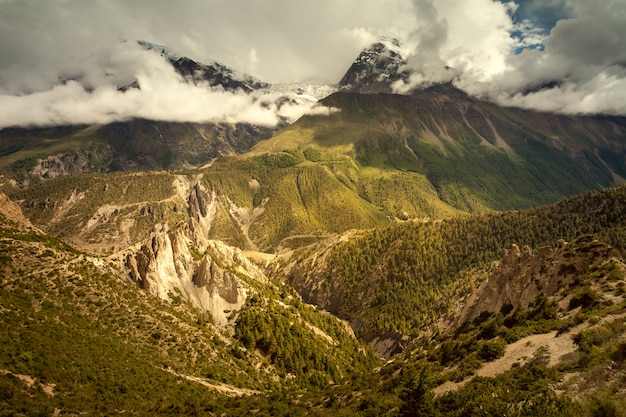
62	61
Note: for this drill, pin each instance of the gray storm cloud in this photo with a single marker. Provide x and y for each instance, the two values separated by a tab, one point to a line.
63	60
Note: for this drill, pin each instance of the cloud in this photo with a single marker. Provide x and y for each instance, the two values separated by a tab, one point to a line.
163	95
584	57
62	60
452	38
602	93
291	40
52	49
564	55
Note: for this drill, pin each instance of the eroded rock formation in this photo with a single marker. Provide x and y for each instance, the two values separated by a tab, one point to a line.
522	275
184	262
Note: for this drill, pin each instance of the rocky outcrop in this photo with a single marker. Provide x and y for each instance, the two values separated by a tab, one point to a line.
184	262
74	162
12	213
162	244
202	210
522	275
209	275
170	265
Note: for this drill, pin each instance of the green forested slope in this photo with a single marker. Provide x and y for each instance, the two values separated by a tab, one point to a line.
295	200
401	278
476	155
78	338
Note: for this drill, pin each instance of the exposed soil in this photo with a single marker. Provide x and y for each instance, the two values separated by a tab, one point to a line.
222	388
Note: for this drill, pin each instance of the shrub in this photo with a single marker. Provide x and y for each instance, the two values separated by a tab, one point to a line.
596	336
492	349
604	405
585	298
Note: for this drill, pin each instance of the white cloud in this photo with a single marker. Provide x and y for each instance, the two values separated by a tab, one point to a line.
603	93
530	35
469	42
292	39
584	54
163	95
452	38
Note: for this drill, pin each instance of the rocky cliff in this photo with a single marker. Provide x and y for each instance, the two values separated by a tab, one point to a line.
12	213
522	275
183	262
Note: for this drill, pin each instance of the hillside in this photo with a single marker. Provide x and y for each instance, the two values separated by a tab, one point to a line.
557	349
79	337
475	155
560	354
43	153
258	206
404	279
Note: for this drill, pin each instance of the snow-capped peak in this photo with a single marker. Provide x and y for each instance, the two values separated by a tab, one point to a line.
377	67
160	49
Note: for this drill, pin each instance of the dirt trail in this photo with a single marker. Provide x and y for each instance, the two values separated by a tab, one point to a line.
259	256
223	388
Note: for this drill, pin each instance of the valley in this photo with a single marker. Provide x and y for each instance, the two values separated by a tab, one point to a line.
420	254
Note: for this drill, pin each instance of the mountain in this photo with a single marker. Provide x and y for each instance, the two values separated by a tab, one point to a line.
423	254
213	73
138	144
474	155
376	68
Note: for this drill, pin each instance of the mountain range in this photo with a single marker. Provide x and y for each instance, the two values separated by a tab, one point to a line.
421	254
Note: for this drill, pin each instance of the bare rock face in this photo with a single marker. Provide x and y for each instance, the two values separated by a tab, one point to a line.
522	275
199	202
169	265
213	278
307	277
13	213
71	163
202	210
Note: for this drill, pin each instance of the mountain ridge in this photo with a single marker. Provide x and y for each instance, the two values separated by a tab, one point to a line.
214	73
392	224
